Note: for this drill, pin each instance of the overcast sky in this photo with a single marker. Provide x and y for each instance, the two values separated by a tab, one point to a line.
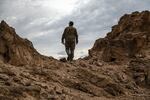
43	21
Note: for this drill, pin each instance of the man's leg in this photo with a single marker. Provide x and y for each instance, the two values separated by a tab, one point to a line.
72	54
67	47
68	52
72	50
69	56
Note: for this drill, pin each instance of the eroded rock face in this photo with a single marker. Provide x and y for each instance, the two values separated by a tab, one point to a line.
140	70
128	39
16	50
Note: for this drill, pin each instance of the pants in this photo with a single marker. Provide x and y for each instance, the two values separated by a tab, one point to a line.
70	47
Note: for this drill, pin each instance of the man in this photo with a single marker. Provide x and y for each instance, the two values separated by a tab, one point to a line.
71	39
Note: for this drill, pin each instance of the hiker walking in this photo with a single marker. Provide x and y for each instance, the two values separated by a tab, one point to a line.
70	39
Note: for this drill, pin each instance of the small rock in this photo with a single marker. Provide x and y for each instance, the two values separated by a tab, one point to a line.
99	64
8	83
53	97
63	59
4	77
33	88
58	90
16	79
27	83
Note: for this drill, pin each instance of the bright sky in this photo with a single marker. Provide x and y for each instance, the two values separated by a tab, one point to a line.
43	21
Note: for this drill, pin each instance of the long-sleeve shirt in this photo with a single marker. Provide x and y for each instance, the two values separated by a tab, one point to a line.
70	34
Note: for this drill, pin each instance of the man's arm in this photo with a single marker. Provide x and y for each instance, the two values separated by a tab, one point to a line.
63	36
76	34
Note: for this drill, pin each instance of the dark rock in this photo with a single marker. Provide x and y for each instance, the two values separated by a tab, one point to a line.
114	89
63	59
4	77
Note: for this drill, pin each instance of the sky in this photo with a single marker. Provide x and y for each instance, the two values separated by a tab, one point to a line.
43	21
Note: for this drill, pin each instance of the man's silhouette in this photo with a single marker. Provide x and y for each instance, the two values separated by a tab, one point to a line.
71	39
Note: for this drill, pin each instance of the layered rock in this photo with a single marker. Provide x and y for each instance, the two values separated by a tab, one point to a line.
16	50
130	38
140	71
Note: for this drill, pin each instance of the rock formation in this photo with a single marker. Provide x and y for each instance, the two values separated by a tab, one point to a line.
130	38
117	68
16	50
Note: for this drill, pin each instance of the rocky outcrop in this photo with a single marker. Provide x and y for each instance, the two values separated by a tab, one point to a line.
16	50
130	38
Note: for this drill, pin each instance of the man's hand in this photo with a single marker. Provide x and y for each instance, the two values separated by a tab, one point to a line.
63	42
76	42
